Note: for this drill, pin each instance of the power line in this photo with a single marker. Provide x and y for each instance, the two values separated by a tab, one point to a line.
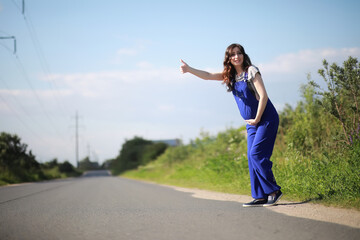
27	127
19	104
17	5
43	62
11	37
15	99
24	73
40	54
21	67
6	47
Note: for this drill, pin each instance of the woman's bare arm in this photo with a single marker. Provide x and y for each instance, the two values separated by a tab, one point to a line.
184	68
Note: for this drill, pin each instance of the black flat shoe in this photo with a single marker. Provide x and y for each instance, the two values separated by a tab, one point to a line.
255	203
272	200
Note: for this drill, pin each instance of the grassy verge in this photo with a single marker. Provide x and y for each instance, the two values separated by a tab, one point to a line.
54	172
21	175
220	164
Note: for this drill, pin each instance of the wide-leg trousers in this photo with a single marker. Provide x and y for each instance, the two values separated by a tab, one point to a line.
261	140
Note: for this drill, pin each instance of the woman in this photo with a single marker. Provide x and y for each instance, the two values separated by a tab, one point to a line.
245	82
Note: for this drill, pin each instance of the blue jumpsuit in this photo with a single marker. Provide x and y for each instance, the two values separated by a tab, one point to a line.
260	138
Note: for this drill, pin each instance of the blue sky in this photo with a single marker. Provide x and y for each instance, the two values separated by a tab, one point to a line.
117	64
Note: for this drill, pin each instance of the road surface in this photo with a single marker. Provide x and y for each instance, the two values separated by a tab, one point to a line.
99	206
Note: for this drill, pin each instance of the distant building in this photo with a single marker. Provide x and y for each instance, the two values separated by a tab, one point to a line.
170	142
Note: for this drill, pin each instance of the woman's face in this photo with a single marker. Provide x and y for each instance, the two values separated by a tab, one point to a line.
236	57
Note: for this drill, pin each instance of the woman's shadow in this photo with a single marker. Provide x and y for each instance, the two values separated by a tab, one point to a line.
299	203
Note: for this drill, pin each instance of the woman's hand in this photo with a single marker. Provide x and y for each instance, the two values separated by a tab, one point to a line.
184	68
252	122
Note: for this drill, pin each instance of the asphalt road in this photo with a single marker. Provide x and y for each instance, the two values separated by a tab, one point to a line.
98	206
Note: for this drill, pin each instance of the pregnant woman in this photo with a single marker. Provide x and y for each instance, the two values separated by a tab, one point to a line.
245	82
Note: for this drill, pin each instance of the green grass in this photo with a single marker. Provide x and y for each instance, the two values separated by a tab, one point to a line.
220	164
54	172
21	175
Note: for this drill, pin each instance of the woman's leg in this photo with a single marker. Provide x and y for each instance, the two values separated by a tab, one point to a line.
261	140
256	190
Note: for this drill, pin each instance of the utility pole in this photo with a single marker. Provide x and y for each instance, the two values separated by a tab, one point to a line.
77	139
88	150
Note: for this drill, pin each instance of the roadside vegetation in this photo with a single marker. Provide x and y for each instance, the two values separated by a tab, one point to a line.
18	165
316	156
134	153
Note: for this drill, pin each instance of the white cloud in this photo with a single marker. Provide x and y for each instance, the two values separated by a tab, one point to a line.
144	64
46	94
127	52
96	84
306	61
166	107
4	107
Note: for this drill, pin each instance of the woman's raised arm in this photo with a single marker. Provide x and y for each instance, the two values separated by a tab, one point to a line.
184	68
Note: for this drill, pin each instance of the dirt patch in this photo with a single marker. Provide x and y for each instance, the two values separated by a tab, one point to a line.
318	212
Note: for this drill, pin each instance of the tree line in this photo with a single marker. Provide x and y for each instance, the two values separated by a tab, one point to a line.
17	164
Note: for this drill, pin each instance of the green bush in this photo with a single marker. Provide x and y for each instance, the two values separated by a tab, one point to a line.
66	167
16	164
136	152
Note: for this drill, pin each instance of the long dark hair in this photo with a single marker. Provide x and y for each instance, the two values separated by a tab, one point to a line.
229	71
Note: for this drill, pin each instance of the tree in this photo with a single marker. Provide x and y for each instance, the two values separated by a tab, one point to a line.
342	97
66	167
51	164
16	162
136	152
151	152
13	153
307	127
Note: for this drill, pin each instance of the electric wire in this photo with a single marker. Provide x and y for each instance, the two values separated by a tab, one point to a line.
43	62
19	104
45	67
6	47
18	117
16	5
15	99
40	102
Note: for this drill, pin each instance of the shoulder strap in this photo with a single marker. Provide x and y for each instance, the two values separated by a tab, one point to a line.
251	86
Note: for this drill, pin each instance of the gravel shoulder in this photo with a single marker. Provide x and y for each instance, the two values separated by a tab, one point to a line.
348	217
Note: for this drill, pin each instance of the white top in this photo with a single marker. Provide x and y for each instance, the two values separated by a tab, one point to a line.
252	70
